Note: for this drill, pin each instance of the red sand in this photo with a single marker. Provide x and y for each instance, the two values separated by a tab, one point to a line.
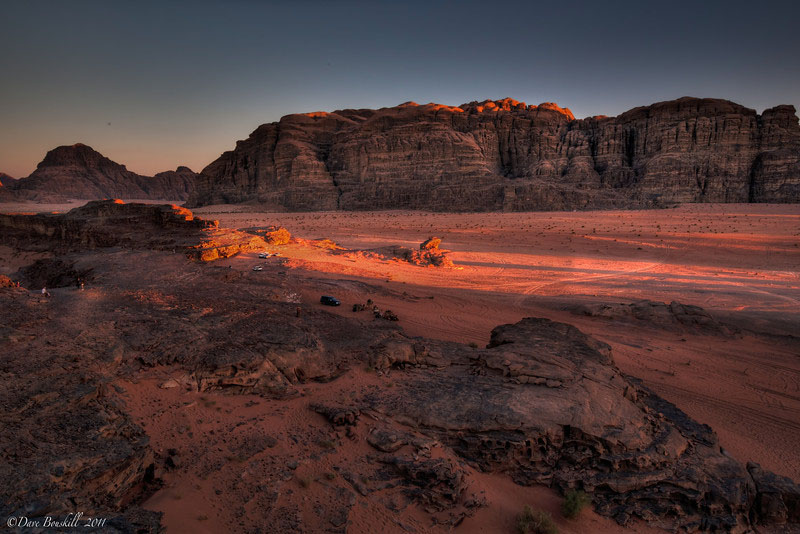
738	261
725	258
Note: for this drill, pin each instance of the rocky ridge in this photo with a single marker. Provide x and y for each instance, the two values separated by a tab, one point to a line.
114	223
507	155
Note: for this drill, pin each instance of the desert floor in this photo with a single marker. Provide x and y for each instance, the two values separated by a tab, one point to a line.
740	262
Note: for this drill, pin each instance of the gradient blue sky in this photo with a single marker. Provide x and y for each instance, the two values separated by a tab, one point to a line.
154	85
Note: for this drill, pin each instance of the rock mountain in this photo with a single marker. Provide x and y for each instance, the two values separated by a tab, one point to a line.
80	172
506	155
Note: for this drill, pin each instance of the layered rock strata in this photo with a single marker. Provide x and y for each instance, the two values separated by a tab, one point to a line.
506	155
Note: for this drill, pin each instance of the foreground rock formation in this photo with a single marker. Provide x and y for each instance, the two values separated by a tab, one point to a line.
543	403
506	155
80	172
113	223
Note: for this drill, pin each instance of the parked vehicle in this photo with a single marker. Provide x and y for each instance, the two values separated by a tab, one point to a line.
329	301
258	268
263	255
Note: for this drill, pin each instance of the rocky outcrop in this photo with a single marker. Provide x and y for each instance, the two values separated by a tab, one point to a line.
105	223
428	255
545	404
506	155
114	223
80	172
672	316
171	185
53	272
778	499
274	235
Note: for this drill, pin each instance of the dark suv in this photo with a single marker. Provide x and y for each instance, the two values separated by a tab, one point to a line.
329	301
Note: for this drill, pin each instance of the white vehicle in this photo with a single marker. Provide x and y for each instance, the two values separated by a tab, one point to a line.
263	255
258	268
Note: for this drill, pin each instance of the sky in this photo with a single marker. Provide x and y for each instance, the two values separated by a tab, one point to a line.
154	85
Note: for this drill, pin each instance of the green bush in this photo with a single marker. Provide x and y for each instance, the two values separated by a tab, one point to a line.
574	502
532	521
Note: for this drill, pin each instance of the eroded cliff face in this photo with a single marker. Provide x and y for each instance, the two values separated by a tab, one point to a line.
78	171
506	155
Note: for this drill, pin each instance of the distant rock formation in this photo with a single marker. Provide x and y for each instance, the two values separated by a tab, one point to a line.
80	172
172	185
506	155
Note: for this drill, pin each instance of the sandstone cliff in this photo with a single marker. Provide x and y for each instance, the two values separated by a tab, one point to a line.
80	172
506	155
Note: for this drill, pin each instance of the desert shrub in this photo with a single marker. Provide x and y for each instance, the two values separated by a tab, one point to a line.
532	521
574	502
